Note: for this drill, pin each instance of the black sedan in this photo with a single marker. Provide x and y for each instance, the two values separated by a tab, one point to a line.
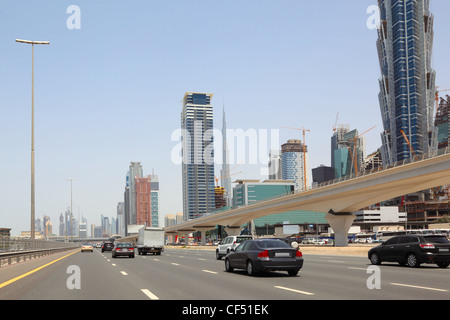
123	249
264	255
412	250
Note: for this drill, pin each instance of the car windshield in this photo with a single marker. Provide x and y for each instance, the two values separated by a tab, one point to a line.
267	244
436	239
124	244
242	239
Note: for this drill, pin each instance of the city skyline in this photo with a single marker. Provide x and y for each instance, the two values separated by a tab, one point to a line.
100	106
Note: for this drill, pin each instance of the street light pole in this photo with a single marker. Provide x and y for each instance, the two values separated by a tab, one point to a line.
33	203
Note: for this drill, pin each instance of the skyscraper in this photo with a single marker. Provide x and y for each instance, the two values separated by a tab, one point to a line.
407	84
295	163
225	172
198	155
134	171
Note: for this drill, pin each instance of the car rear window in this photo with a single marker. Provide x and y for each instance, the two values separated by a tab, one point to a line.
436	239
267	244
242	239
123	245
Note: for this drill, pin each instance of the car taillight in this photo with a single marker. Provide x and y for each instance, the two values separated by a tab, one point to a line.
427	246
298	254
117	249
131	249
264	255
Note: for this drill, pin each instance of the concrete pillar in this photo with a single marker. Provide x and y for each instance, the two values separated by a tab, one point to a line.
233	231
340	223
203	234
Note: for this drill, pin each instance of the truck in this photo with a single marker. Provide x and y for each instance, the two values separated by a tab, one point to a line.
150	240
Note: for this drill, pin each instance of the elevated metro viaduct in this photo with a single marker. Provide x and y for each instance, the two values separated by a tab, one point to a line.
338	199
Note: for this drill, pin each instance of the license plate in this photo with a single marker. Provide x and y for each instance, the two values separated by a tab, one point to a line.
443	250
282	254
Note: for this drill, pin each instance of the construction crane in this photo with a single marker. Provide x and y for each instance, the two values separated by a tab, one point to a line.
354	155
335	122
304	151
409	144
437	96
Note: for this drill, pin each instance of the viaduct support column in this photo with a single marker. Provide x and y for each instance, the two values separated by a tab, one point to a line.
203	234
340	223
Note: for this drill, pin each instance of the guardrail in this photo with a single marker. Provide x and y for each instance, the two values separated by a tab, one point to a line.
14	250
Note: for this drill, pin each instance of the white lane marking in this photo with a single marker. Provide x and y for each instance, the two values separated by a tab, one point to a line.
113	264
294	290
354	268
336	261
149	294
213	272
124	273
155	259
175	264
418	287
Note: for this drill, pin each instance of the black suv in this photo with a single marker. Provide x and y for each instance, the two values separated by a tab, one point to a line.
412	250
107	246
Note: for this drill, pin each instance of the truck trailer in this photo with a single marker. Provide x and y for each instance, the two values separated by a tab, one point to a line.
150	240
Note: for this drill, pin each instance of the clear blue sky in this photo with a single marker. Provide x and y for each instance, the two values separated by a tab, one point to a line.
109	93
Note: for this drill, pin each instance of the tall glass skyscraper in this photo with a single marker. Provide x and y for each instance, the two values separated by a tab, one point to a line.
198	155
407	84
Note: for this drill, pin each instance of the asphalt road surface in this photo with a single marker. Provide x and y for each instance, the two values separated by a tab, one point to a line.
185	274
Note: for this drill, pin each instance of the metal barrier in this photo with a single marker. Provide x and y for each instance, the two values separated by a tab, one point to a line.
14	250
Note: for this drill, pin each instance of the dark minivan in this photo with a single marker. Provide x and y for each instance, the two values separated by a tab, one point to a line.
412	250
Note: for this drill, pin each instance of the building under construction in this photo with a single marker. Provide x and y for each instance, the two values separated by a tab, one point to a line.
442	122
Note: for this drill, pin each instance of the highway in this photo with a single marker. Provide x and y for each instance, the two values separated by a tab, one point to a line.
190	274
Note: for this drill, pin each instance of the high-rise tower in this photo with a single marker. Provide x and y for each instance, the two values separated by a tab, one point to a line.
407	84
198	155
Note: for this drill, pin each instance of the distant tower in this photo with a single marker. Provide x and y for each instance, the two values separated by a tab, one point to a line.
225	172
198	155
407	84
292	163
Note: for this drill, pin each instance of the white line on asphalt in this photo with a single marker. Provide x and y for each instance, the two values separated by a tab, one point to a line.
155	259
336	261
201	259
108	260
149	294
124	273
354	268
175	264
417	287
213	272
113	264
294	290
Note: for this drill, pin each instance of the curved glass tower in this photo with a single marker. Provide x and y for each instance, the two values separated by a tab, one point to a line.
407	84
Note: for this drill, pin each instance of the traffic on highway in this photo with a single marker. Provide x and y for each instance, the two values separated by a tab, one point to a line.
189	273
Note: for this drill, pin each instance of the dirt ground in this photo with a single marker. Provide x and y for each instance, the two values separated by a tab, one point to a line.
351	250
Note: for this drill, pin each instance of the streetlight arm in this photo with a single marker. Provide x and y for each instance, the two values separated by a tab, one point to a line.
32	42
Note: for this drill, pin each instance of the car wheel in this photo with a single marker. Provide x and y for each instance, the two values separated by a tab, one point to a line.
412	261
250	269
218	256
443	264
375	258
293	273
228	267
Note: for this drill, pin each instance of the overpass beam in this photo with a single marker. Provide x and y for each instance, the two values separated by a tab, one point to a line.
340	223
233	231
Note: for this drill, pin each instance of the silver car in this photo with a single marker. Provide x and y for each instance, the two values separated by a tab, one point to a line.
229	243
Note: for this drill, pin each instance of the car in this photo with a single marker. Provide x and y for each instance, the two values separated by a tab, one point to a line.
87	247
413	250
107	246
123	249
264	255
230	242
